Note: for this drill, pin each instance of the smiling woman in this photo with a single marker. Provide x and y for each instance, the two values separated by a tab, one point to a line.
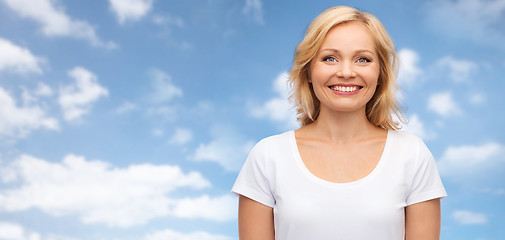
380	108
346	66
346	173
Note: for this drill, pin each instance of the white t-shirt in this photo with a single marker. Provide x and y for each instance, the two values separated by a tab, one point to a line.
307	207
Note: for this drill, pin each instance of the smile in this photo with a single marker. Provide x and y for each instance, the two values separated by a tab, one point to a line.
347	89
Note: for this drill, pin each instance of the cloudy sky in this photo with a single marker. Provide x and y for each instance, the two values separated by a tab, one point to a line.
129	119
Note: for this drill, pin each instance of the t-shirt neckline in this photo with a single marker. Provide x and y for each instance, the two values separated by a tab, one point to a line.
301	165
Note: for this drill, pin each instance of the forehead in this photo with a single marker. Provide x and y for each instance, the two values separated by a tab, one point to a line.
349	36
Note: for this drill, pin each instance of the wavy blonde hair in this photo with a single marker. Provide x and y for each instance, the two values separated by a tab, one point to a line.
382	106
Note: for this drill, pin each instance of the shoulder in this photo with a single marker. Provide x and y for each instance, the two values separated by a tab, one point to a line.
275	141
272	147
408	145
268	153
406	140
406	136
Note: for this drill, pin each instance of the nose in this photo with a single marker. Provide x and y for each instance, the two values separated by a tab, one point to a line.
345	70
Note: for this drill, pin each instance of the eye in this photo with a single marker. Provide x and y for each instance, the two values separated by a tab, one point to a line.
363	60
329	59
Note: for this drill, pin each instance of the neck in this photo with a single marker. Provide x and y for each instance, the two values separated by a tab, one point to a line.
343	126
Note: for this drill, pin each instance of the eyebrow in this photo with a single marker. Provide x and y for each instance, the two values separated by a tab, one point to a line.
357	51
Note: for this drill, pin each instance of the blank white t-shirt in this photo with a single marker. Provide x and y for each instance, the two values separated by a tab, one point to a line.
307	207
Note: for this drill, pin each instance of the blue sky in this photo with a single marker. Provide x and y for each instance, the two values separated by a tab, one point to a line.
130	119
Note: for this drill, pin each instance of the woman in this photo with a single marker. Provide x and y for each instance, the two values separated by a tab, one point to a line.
346	173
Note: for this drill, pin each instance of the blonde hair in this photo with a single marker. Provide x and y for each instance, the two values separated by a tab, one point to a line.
382	106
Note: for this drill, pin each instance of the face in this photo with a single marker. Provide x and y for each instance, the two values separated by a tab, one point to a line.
346	69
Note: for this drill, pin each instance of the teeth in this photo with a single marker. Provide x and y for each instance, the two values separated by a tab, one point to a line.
344	89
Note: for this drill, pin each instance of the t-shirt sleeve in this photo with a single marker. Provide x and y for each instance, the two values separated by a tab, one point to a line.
426	183
253	180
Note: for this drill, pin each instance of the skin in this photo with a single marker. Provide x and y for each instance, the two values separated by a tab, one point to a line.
345	60
342	145
255	220
422	220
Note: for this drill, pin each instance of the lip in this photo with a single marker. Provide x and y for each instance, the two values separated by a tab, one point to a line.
345	85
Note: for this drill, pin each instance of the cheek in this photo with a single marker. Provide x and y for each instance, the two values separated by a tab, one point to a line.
371	76
320	74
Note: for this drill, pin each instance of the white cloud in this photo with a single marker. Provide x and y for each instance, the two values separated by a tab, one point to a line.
410	71
97	192
76	99
478	98
43	90
164	90
469	218
157	132
253	9
278	109
181	136
166	112
54	21
126	107
18	121
130	10
416	127
168	20
12	231
443	104
456	19
169	234
227	148
27	97
219	209
470	163
459	70
18	59
30	97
